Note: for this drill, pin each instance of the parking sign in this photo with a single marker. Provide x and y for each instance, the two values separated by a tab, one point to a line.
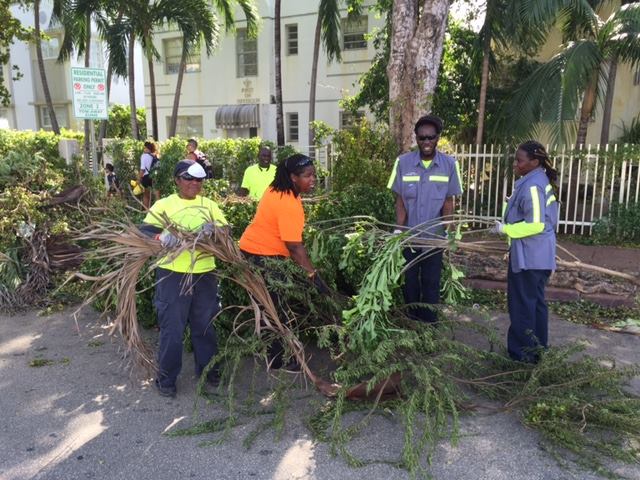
89	87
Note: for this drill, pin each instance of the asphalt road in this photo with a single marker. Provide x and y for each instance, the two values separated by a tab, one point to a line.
83	417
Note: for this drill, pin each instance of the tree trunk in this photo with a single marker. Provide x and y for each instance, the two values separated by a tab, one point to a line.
414	61
314	81
102	133
608	101
87	64
176	98
43	74
588	102
154	105
484	84
278	48
135	133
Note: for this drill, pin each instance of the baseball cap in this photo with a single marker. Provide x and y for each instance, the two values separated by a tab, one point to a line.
189	167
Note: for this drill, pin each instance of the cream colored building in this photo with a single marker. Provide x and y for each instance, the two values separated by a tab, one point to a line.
232	93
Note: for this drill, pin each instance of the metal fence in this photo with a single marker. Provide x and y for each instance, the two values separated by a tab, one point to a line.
590	180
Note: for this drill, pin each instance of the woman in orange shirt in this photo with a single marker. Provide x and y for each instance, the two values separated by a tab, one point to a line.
276	229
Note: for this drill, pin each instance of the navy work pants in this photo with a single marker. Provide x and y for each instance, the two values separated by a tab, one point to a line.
529	329
422	283
178	302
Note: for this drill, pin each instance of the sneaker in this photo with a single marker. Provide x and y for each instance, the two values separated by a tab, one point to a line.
165	391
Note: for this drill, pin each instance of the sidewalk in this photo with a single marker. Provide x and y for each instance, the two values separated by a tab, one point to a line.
83	417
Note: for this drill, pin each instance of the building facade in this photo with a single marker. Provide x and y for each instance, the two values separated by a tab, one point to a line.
28	109
232	93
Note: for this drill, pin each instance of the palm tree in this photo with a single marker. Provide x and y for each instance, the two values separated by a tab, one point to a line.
43	74
76	16
501	31
328	27
199	25
278	75
608	99
572	79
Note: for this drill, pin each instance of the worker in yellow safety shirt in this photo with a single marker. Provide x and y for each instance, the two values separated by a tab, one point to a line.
259	176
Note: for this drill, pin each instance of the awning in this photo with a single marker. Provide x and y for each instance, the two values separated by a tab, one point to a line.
238	116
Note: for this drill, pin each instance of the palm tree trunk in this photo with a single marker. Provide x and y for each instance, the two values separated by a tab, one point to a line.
484	83
87	64
278	48
43	74
154	105
608	101
103	123
135	133
314	81
588	102
176	98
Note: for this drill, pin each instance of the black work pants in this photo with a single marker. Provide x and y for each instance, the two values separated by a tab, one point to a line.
422	283
529	329
179	303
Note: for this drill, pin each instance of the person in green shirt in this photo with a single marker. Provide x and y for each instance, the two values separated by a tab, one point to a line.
259	176
186	290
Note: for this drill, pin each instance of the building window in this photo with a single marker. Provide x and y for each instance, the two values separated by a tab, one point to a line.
350	119
173	55
292	127
292	38
246	54
50	48
45	118
354	31
188	126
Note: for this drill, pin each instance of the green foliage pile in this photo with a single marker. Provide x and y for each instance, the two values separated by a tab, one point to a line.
579	404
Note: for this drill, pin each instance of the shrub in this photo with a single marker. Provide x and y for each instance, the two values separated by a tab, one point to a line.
620	226
365	155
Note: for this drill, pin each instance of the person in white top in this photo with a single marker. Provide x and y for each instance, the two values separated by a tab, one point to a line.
148	161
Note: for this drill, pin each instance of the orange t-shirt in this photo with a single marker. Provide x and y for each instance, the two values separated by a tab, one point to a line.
279	219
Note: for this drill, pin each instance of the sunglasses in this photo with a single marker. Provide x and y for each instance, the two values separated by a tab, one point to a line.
422	138
190	178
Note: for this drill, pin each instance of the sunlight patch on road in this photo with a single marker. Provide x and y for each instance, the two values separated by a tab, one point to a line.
81	430
297	463
18	344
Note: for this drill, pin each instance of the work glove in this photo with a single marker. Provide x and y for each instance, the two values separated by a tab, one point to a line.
208	229
320	284
498	228
168	239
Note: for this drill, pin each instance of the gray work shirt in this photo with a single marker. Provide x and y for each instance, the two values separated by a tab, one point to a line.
533	201
424	190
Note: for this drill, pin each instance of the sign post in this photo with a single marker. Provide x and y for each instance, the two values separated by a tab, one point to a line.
90	102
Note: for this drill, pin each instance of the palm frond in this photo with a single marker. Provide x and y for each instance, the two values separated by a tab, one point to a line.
553	92
331	23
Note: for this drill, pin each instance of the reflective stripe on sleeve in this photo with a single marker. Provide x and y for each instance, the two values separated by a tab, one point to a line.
535	200
551	199
458	174
392	177
547	189
523	229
